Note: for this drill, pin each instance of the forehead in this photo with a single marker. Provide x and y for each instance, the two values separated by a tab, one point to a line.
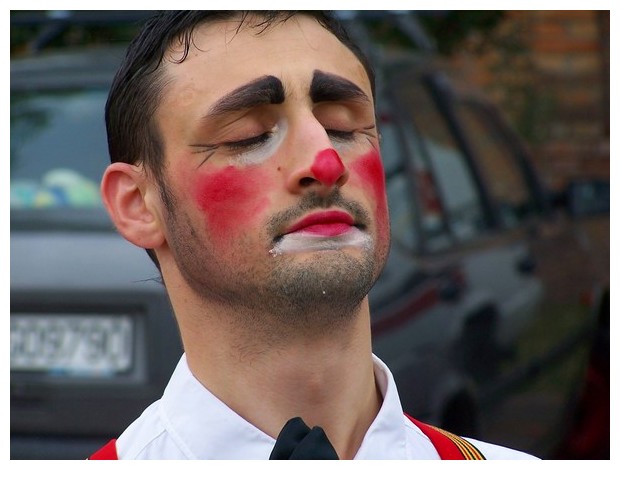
226	54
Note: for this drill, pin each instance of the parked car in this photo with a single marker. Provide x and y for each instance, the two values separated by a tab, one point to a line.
486	311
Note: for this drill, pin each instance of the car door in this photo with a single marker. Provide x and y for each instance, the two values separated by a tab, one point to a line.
414	306
549	343
480	218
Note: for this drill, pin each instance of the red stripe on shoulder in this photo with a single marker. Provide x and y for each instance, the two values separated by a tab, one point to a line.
445	447
107	452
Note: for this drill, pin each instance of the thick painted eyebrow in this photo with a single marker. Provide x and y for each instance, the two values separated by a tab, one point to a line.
262	91
327	87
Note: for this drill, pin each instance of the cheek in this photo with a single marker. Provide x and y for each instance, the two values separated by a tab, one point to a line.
368	174
231	200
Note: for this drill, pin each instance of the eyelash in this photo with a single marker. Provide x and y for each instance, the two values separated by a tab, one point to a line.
248	143
255	142
342	135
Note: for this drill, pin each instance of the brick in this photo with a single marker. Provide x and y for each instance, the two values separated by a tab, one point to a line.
564	15
564	45
560	84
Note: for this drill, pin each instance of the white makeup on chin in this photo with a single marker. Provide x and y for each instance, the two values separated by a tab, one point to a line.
306	242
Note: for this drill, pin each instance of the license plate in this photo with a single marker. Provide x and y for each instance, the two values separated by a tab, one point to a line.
72	344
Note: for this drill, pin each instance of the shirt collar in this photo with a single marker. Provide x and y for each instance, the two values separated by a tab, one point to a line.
386	438
206	428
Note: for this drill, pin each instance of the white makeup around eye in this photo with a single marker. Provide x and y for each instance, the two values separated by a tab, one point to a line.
265	150
342	145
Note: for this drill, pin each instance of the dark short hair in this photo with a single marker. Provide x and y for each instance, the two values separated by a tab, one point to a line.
133	134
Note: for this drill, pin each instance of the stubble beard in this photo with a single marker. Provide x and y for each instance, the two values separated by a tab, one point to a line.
320	294
284	296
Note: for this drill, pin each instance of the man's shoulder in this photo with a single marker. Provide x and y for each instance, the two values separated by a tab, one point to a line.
497	452
147	438
451	447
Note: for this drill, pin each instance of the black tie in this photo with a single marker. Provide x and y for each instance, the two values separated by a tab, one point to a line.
297	441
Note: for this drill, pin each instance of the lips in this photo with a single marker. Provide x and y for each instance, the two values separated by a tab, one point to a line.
329	224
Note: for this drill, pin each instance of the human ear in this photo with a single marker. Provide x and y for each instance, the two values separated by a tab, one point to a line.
124	190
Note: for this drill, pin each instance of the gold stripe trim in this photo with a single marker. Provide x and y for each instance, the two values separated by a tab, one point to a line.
469	451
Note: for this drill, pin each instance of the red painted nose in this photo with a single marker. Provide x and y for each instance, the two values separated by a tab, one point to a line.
327	167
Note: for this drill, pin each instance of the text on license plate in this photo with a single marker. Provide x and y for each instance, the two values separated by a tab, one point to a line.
72	344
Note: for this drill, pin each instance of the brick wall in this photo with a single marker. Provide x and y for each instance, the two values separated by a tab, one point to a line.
549	70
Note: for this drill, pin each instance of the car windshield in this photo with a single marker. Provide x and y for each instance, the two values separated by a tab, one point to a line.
58	150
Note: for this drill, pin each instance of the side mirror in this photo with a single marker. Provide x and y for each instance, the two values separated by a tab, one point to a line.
584	198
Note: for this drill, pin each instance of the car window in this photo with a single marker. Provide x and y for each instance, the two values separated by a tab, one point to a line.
508	187
58	149
451	203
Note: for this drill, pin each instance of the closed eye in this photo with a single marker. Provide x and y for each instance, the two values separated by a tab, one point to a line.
248	143
341	135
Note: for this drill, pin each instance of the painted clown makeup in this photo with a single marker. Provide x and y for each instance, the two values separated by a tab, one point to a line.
258	149
327	167
367	172
332	229
232	200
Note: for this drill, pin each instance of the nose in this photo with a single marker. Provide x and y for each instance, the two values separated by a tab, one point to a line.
327	167
323	173
314	163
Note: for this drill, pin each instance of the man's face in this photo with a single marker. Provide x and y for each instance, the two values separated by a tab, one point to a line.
273	164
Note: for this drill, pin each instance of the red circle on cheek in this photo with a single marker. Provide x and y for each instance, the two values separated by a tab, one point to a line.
369	170
231	200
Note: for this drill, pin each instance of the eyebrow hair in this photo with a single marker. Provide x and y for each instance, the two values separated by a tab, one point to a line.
262	91
327	87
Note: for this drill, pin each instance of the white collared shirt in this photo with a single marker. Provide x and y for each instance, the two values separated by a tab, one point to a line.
189	422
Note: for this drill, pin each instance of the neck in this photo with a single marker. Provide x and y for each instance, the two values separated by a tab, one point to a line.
327	380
